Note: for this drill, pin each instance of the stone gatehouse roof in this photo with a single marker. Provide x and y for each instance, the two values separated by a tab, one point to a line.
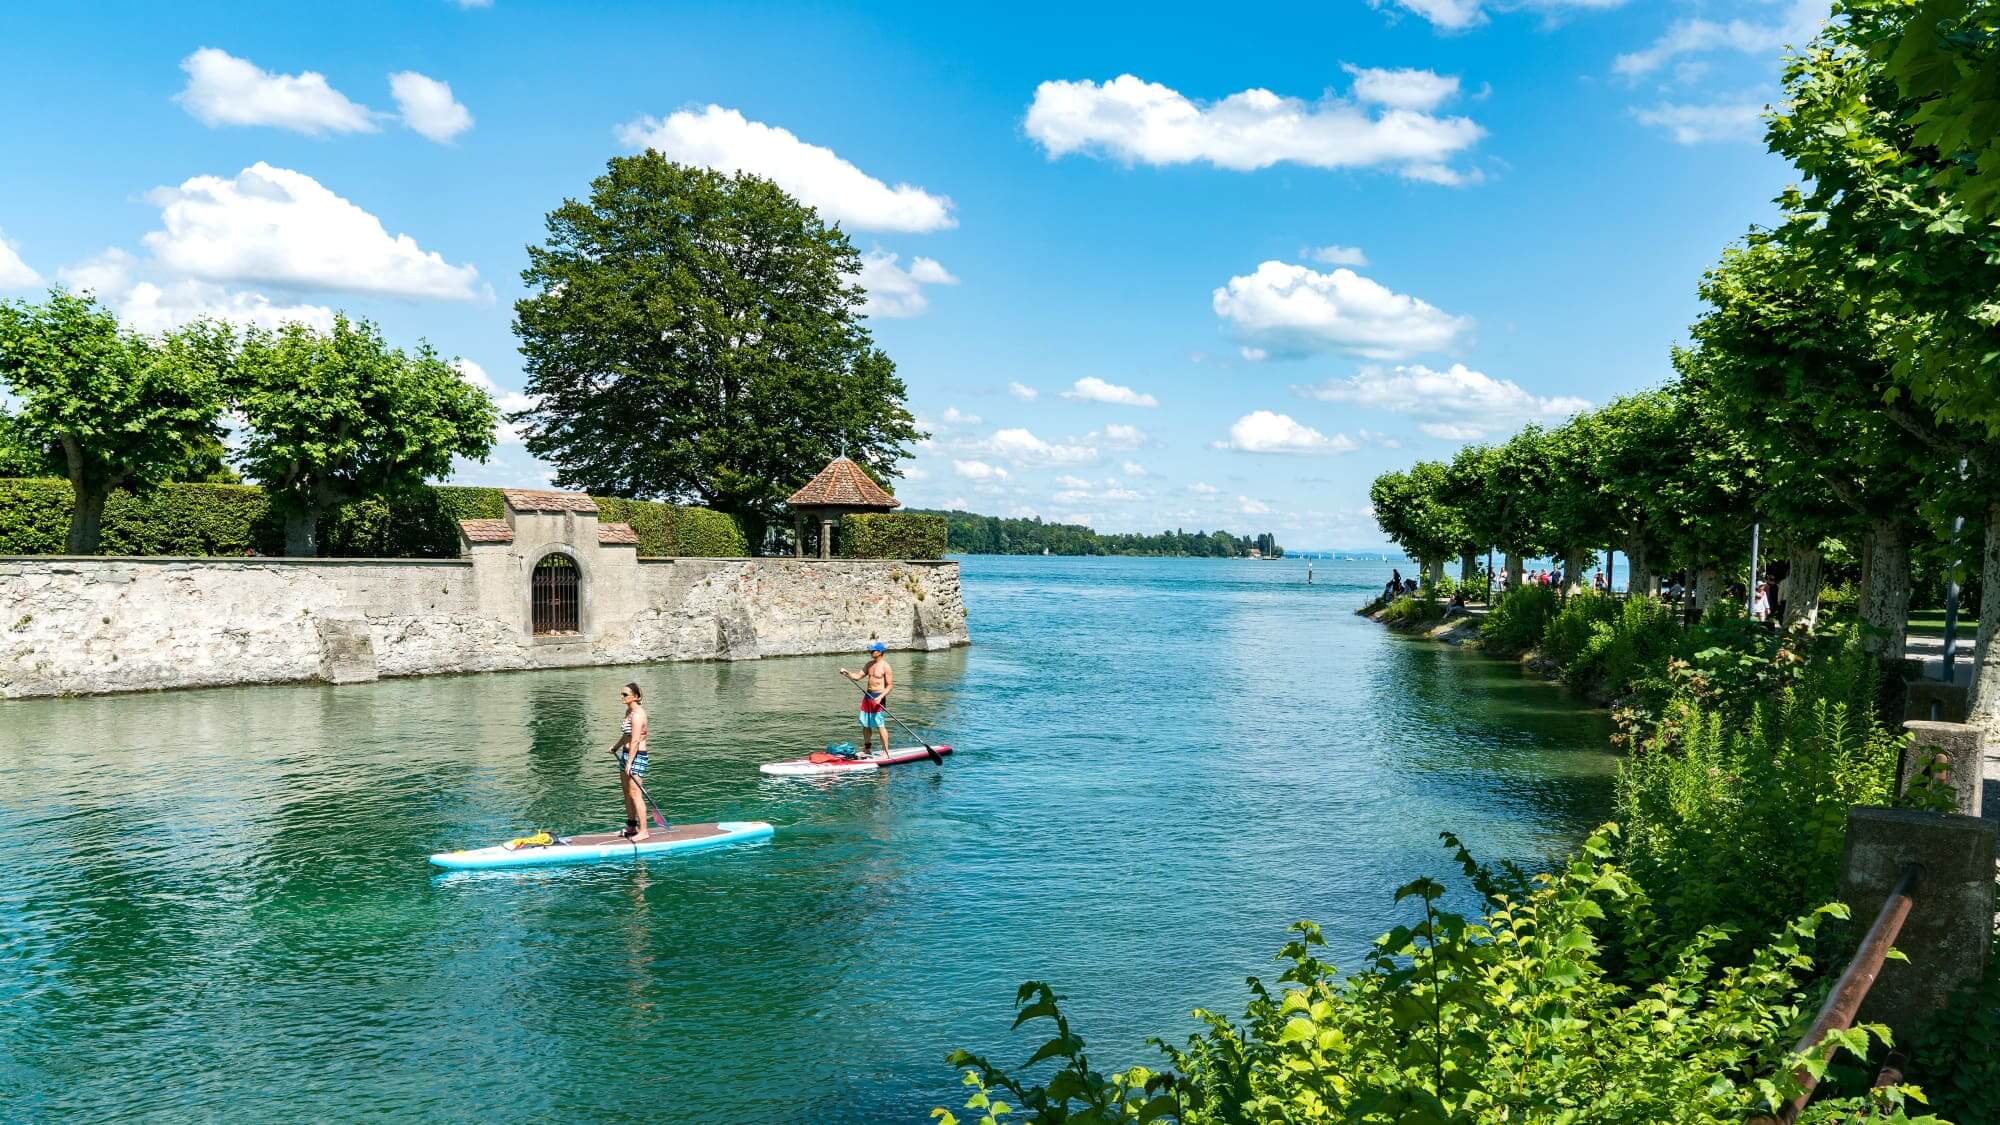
544	500
842	484
486	531
612	534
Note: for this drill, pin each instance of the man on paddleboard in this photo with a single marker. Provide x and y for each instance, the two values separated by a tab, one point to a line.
877	681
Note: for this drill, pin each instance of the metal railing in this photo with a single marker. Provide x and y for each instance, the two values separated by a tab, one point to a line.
1844	1002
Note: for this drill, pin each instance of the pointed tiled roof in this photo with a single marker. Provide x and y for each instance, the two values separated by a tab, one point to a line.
544	500
842	484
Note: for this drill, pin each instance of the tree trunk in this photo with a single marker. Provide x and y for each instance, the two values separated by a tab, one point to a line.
1433	571
1800	589
1985	700
1638	576
302	532
86	520
1575	561
1707	587
1514	571
1885	590
1468	567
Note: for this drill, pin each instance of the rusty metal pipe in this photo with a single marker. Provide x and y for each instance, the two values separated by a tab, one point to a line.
1837	1014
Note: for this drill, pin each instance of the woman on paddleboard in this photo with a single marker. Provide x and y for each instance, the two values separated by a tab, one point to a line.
632	761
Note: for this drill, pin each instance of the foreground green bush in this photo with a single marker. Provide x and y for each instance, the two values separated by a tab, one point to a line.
225	519
892	535
1407	610
1738	814
1508	1017
1518	619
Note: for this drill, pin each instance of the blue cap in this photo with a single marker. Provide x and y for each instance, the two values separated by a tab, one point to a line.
878	646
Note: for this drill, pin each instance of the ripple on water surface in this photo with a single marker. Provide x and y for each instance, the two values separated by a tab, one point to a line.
217	903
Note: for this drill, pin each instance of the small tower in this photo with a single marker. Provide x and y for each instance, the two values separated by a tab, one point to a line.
840	489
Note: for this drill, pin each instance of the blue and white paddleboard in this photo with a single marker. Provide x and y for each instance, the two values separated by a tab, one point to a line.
602	847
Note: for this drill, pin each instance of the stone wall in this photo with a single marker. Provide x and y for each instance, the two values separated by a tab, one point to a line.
86	625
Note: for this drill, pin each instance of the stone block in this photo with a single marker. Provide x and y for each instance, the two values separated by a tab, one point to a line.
1954	754
346	651
1950	926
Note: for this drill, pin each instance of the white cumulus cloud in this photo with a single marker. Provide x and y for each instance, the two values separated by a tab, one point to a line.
1460	404
725	140
279	226
894	291
225	90
1296	310
978	470
1262	431
1023	392
1251	507
1460	15
1799	22
1404	87
1136	121
1335	255
1134	469
156	304
1092	389
1024	448
428	107
1118	435
1695	124
15	273
953	416
1203	488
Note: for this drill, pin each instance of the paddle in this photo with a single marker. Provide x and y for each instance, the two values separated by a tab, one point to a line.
935	756
650	806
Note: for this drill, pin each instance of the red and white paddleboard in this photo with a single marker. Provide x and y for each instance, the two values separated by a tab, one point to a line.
822	764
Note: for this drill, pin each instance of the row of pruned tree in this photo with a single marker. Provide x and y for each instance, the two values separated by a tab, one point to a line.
324	416
1843	383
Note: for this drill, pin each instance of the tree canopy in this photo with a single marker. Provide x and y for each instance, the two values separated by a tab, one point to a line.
117	409
695	335
340	414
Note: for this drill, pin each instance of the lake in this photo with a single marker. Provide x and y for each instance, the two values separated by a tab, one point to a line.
216	903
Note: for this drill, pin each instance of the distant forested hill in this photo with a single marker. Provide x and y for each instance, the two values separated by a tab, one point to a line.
992	535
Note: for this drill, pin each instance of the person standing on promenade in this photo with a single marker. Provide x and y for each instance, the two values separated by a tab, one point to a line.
877	680
632	762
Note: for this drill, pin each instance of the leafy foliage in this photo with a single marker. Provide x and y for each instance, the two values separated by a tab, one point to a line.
115	408
1519	619
1513	1015
695	335
341	415
892	535
995	535
1411	611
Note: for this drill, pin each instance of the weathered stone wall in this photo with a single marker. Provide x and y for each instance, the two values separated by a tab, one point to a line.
76	626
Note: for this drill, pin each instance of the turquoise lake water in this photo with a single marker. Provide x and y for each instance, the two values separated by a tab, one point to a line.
216	904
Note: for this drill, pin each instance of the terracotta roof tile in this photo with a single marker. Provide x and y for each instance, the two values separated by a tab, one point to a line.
486	531
842	484
543	500
617	533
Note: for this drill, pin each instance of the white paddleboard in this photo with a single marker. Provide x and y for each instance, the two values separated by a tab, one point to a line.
827	765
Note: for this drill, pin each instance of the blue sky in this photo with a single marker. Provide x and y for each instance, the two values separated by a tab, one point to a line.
1241	262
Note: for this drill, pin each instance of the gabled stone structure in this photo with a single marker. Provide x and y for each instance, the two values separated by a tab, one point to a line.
512	556
840	489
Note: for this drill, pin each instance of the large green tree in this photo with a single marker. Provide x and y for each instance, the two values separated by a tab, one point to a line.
341	414
698	336
118	409
1414	508
21	455
1898	211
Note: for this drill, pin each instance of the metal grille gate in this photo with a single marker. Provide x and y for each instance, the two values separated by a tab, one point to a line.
554	595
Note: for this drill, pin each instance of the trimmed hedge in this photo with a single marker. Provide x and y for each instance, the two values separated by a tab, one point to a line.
671	531
891	535
234	519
